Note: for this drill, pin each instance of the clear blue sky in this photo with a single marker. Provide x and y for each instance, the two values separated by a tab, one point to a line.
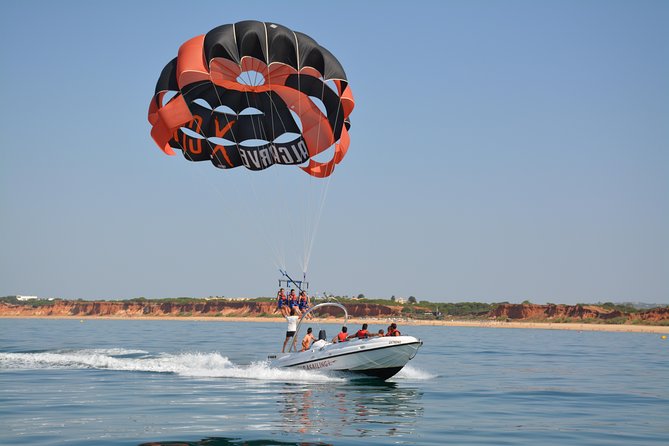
500	151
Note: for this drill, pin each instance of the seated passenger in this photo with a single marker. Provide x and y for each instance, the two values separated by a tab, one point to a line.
308	339
282	302
342	336
293	303
303	302
361	334
393	331
380	333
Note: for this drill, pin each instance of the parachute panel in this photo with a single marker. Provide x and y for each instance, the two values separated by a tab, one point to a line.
265	68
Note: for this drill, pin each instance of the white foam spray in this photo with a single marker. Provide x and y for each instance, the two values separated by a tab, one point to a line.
411	373
192	364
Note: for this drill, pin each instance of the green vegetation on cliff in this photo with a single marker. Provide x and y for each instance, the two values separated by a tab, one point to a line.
409	308
14	300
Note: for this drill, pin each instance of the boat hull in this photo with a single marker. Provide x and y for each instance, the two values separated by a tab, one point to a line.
380	357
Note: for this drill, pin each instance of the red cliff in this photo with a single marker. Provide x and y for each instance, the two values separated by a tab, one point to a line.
242	308
552	311
653	316
239	308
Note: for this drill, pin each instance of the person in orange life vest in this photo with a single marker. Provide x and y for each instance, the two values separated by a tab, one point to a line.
293	302
393	331
292	327
361	334
342	336
282	302
308	339
303	302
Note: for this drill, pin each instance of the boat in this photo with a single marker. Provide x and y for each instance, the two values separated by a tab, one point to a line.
377	356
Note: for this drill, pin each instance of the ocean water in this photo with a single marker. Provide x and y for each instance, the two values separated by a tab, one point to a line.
106	382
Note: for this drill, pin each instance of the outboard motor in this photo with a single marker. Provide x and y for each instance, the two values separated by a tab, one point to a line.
322	336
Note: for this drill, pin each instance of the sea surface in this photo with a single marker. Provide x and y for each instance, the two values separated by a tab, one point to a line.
128	382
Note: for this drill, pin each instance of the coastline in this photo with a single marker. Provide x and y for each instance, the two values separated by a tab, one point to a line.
620	328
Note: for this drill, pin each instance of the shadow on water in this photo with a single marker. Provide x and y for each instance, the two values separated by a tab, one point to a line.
357	409
360	408
222	441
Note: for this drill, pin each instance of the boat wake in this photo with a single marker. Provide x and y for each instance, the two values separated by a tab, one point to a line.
412	374
188	364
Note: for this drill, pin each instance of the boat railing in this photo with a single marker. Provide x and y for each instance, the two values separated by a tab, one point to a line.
293	345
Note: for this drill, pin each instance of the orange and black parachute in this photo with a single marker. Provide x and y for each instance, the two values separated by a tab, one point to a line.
253	94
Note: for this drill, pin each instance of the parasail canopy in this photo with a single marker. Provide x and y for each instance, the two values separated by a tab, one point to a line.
253	94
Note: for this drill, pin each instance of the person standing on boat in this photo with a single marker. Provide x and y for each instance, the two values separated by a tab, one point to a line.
342	336
282	302
292	327
308	339
361	334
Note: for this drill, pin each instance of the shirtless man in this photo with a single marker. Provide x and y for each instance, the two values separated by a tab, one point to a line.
308	339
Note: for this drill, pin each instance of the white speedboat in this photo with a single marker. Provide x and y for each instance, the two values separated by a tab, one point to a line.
380	357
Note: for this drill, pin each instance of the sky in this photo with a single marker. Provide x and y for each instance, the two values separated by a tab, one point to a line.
500	151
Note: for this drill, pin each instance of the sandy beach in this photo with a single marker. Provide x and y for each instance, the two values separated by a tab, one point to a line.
382	323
